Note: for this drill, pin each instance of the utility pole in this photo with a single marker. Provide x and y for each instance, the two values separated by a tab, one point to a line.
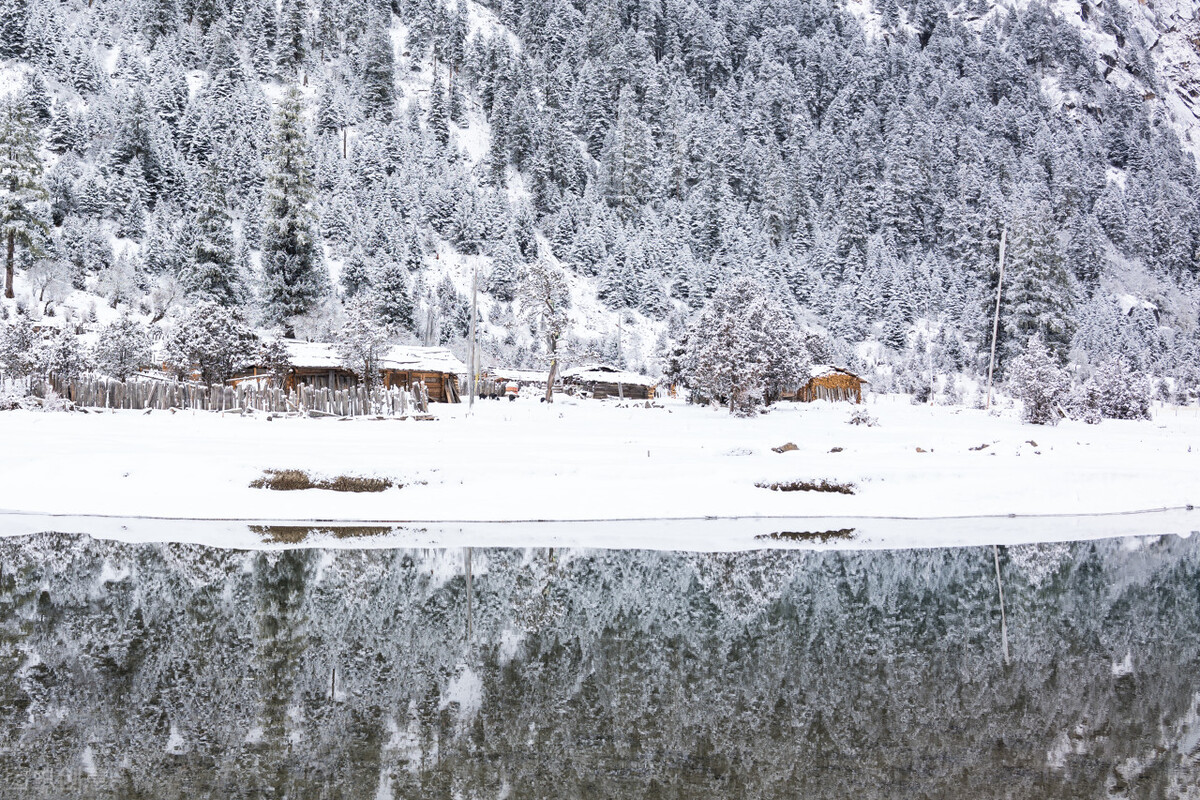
996	320
620	387
474	355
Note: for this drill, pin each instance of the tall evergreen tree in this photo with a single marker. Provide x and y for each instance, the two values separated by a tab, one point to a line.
21	186
293	270
378	73
213	273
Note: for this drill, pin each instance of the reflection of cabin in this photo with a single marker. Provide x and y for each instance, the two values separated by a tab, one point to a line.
602	381
317	364
826	382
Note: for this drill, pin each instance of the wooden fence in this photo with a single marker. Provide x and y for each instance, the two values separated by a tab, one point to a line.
90	391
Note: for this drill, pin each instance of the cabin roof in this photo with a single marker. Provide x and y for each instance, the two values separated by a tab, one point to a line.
527	375
602	373
827	370
324	355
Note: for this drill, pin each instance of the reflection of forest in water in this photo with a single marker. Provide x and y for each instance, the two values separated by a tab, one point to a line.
170	671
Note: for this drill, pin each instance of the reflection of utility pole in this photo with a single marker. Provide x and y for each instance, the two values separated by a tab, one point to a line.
1003	620
996	320
467	570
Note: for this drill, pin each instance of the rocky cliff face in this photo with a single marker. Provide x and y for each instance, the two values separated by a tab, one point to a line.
170	671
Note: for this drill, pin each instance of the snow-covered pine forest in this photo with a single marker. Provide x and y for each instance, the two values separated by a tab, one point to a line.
298	167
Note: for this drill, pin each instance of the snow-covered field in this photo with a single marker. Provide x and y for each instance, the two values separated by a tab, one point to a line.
589	460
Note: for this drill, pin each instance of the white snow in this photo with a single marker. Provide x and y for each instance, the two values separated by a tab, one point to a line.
668	467
466	690
175	743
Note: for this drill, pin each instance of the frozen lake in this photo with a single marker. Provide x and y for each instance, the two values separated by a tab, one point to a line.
140	669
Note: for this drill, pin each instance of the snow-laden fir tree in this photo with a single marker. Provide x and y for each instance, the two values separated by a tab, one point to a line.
294	275
1040	382
61	354
1116	391
18	344
212	340
363	340
21	189
123	348
378	72
213	273
390	296
1038	299
274	358
744	348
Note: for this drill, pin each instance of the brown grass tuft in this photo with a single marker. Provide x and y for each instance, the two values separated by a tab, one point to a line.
808	536
295	534
808	486
289	480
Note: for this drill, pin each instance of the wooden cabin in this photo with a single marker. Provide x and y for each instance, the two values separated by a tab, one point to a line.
436	367
317	364
601	381
494	381
827	382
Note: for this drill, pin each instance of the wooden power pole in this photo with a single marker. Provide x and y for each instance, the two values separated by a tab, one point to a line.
996	319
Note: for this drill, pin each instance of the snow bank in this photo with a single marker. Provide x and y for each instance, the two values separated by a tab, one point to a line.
153	475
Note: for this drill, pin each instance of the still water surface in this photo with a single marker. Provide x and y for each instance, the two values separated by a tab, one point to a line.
180	671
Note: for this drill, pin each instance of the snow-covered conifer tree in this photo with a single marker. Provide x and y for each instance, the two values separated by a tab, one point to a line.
293	270
1116	391
62	354
1040	382
21	187
123	347
743	347
212	340
362	340
213	272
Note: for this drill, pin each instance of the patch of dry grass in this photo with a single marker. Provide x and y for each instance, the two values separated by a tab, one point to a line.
290	480
295	534
808	536
808	486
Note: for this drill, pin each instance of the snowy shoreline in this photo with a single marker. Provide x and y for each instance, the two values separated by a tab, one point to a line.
679	535
606	474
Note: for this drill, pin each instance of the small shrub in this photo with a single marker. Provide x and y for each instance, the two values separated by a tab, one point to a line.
859	416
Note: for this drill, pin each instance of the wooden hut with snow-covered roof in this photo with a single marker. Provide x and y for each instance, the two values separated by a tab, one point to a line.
827	382
436	367
318	365
601	381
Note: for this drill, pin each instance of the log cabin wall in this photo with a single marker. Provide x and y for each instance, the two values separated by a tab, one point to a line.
838	387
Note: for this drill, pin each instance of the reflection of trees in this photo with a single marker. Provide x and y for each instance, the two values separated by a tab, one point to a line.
603	674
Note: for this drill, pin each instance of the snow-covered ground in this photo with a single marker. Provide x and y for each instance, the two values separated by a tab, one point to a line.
589	460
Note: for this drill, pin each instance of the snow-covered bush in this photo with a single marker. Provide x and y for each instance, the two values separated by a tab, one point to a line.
63	355
212	340
1040	382
1115	391
859	416
124	346
17	349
